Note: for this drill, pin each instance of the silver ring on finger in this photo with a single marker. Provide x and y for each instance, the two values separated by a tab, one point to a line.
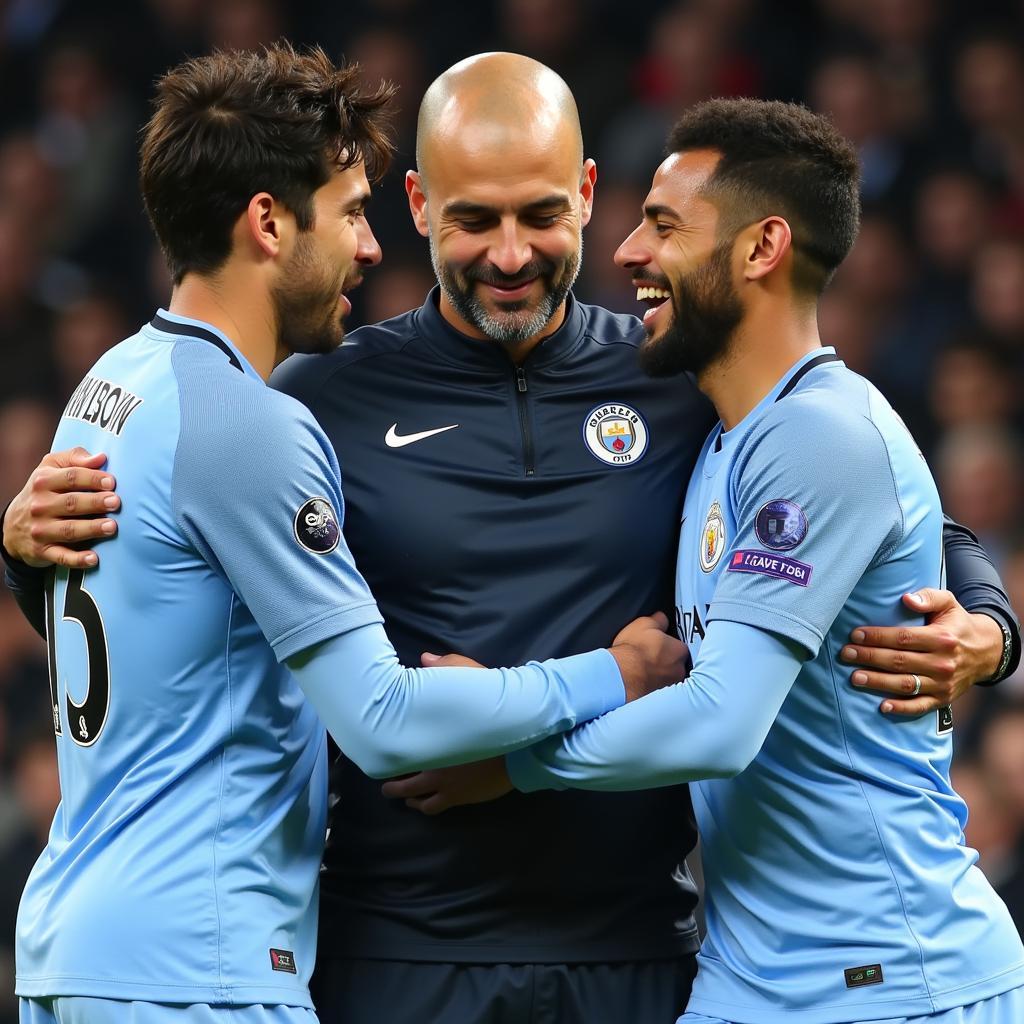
917	685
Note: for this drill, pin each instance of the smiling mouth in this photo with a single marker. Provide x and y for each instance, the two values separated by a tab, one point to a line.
653	298
510	292
346	287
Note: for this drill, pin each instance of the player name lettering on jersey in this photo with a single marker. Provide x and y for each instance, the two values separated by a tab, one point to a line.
103	403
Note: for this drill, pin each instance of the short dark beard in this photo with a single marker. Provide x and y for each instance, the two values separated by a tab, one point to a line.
520	322
706	310
305	303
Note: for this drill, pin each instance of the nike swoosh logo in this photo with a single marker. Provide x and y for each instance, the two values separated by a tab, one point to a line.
395	440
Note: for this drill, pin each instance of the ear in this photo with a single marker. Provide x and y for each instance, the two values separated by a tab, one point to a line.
264	219
767	246
417	201
587	184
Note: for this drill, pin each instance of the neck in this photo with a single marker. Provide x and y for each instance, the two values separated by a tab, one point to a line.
518	351
760	351
240	312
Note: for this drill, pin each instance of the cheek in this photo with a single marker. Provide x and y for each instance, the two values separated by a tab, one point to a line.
342	253
349	240
460	248
557	243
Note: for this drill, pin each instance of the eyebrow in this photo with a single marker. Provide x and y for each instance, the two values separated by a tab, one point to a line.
357	202
654	210
466	208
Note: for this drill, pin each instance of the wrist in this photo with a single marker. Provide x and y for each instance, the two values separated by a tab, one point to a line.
8	556
998	642
630	663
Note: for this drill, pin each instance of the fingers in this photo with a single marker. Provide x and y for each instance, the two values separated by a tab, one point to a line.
61	480
77	456
58	505
419	792
430	805
412	786
659	621
938	664
62	532
911	708
902	685
927	600
448	661
899	638
70	558
932	694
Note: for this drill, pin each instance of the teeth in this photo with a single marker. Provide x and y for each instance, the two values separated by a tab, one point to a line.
651	293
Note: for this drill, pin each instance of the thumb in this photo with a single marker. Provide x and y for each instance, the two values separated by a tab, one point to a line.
76	457
428	660
660	619
929	600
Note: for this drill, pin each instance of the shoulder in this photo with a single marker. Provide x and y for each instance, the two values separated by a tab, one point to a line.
230	417
832	410
304	375
825	429
604	327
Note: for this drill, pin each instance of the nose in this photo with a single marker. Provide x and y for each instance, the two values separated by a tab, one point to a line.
631	253
510	250
368	252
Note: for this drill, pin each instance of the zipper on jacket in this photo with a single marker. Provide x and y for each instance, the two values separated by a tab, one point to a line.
524	423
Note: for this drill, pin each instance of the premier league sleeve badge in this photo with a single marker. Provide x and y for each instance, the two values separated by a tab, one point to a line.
316	526
780	524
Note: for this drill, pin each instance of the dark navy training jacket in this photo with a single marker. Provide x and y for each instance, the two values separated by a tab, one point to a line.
507	513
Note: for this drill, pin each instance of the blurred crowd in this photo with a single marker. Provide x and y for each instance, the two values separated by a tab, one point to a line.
929	305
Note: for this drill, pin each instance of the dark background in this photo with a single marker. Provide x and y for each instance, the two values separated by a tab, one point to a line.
929	305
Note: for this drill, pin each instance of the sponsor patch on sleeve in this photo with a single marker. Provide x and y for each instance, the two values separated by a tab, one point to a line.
316	526
766	564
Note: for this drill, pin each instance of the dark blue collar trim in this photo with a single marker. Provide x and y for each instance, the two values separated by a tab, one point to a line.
825	357
174	327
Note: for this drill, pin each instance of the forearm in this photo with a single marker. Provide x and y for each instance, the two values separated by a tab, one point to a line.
392	720
976	584
711	726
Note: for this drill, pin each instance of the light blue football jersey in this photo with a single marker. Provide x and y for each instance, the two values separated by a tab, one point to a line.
183	859
838	884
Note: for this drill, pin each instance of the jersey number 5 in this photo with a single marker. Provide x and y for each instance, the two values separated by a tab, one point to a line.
85	720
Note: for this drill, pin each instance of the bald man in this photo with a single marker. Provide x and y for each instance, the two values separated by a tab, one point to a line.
513	484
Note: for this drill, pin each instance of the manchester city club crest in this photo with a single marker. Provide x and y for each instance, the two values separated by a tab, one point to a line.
712	538
615	434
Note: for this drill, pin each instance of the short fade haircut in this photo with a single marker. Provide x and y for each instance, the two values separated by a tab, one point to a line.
232	124
779	159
